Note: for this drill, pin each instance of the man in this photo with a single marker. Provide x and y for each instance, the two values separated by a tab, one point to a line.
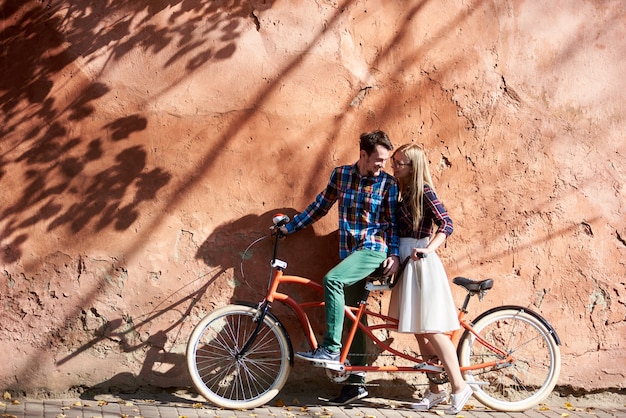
367	199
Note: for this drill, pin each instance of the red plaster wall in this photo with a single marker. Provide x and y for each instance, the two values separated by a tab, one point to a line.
145	144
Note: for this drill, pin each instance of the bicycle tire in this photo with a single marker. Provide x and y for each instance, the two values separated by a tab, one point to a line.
525	382
234	382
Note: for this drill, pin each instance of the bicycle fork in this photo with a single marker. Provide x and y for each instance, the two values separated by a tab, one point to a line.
258	318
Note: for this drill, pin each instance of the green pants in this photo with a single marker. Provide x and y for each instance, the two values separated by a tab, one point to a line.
348	272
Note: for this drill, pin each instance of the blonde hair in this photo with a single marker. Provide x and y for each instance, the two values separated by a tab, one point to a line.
413	190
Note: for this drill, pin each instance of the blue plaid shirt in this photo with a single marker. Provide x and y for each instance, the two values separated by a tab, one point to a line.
367	211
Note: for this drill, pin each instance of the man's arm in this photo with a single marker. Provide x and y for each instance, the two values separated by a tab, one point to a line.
317	209
390	208
392	262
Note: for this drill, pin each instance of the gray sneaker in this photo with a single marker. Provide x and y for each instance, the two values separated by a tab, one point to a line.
319	355
429	400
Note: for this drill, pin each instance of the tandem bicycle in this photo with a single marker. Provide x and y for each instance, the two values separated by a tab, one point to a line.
240	356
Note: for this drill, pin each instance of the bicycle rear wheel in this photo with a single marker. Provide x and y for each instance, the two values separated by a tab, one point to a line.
230	379
523	382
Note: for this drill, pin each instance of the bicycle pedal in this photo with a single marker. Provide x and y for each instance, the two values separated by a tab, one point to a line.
425	367
332	365
477	383
376	287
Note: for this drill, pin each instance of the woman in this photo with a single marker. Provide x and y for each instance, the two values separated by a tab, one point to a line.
422	300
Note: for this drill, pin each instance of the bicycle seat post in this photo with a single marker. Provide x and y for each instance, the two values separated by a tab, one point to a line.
354	327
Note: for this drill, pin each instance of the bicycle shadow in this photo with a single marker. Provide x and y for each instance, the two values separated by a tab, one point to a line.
307	253
163	366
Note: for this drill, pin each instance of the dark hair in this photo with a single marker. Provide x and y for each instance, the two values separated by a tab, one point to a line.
370	140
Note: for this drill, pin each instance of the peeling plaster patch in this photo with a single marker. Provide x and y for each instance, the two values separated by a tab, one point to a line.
540	294
123	277
255	19
510	93
114	276
358	99
444	162
247	255
184	239
91	320
585	228
80	268
154	276
119	273
233	282
597	298
620	238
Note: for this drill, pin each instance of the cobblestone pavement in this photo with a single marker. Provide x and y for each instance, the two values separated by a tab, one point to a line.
286	406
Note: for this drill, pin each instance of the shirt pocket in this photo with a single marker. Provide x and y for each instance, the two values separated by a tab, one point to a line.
370	205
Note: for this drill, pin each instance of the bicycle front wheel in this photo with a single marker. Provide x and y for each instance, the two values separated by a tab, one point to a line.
226	376
531	374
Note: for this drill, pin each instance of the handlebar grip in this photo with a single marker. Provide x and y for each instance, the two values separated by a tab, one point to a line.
279	219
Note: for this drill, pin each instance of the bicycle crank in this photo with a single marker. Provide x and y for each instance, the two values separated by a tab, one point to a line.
338	376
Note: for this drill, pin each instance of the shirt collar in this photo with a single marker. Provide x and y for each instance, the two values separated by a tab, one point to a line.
354	170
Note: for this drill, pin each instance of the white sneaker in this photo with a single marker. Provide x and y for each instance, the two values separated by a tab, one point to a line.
429	400
458	400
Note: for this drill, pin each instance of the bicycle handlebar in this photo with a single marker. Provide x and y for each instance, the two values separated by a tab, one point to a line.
279	220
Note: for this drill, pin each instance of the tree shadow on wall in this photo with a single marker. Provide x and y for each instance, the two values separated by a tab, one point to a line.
41	40
57	191
43	105
247	267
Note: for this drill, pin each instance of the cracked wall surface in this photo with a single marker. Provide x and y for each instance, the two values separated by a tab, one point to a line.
144	145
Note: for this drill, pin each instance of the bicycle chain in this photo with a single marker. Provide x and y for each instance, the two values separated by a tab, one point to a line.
387	384
435	378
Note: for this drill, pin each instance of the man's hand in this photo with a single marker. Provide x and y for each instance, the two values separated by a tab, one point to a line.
391	264
283	229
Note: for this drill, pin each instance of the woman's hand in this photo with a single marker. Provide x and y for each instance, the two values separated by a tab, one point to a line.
432	246
419	253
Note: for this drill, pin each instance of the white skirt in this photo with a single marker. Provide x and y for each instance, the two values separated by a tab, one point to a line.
422	300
